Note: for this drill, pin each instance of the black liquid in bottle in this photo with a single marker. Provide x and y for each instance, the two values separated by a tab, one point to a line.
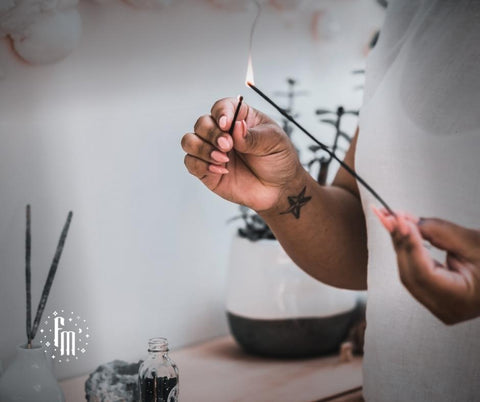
158	374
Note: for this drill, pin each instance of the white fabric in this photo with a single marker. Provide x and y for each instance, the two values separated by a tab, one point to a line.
419	147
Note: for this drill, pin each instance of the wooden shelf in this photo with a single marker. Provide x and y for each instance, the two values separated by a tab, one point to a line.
218	370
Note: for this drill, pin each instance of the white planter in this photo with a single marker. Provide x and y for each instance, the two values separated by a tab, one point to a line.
274	308
29	378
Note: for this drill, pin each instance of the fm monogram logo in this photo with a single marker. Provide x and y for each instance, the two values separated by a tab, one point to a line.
65	336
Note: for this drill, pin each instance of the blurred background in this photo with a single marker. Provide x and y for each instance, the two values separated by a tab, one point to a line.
94	126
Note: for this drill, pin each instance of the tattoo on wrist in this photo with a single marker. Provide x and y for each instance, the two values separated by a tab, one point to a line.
296	203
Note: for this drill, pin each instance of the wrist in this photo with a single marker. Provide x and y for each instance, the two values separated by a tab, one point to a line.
292	196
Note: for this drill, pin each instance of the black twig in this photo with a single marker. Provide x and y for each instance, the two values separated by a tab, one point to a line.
28	276
237	110
51	276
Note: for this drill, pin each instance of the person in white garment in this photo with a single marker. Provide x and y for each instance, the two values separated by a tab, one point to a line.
418	145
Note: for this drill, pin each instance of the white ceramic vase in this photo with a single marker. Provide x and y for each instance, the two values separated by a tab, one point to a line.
29	378
276	309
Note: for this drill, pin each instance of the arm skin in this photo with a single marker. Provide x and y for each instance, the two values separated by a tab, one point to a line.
257	166
325	235
328	241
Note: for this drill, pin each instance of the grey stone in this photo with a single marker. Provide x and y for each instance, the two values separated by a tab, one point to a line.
113	382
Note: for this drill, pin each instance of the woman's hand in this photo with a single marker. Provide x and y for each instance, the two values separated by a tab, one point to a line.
451	291
251	167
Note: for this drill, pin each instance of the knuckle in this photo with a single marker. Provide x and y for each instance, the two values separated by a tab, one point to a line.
203	149
448	318
219	105
475	238
191	164
420	278
202	123
413	280
185	142
186	162
397	240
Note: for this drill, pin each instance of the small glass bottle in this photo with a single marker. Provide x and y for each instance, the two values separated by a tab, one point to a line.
158	374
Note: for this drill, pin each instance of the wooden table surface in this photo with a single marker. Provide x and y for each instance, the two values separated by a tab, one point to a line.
218	370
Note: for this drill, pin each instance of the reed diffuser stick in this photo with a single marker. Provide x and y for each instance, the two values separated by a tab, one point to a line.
284	113
28	277
51	276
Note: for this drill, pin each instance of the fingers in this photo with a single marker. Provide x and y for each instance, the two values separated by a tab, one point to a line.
451	237
224	110
195	146
387	220
203	160
249	136
207	129
450	294
209	174
414	263
416	266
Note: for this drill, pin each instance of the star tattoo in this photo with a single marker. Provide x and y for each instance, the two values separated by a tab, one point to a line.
296	203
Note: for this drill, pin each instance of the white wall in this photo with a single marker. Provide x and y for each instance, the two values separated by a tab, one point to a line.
99	133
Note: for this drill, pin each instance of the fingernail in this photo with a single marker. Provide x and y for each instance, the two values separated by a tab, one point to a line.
223	122
217	169
223	143
219	157
385	221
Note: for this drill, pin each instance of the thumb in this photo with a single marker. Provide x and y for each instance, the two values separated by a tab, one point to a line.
448	236
260	140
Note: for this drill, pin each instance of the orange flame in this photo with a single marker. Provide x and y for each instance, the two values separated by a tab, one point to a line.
249	79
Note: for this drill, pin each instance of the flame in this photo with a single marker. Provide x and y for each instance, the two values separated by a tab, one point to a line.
249	79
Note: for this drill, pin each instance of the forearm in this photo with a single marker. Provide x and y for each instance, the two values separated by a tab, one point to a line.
321	228
328	238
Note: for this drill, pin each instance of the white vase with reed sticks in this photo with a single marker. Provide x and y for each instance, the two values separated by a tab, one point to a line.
29	378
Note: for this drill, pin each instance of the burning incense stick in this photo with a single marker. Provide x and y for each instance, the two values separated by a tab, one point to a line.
237	110
28	277
51	276
322	146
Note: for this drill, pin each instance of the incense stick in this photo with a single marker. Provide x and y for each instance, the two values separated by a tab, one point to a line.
284	113
51	276
237	110
28	277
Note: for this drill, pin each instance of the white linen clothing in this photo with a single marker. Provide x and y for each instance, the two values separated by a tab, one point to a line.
419	147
